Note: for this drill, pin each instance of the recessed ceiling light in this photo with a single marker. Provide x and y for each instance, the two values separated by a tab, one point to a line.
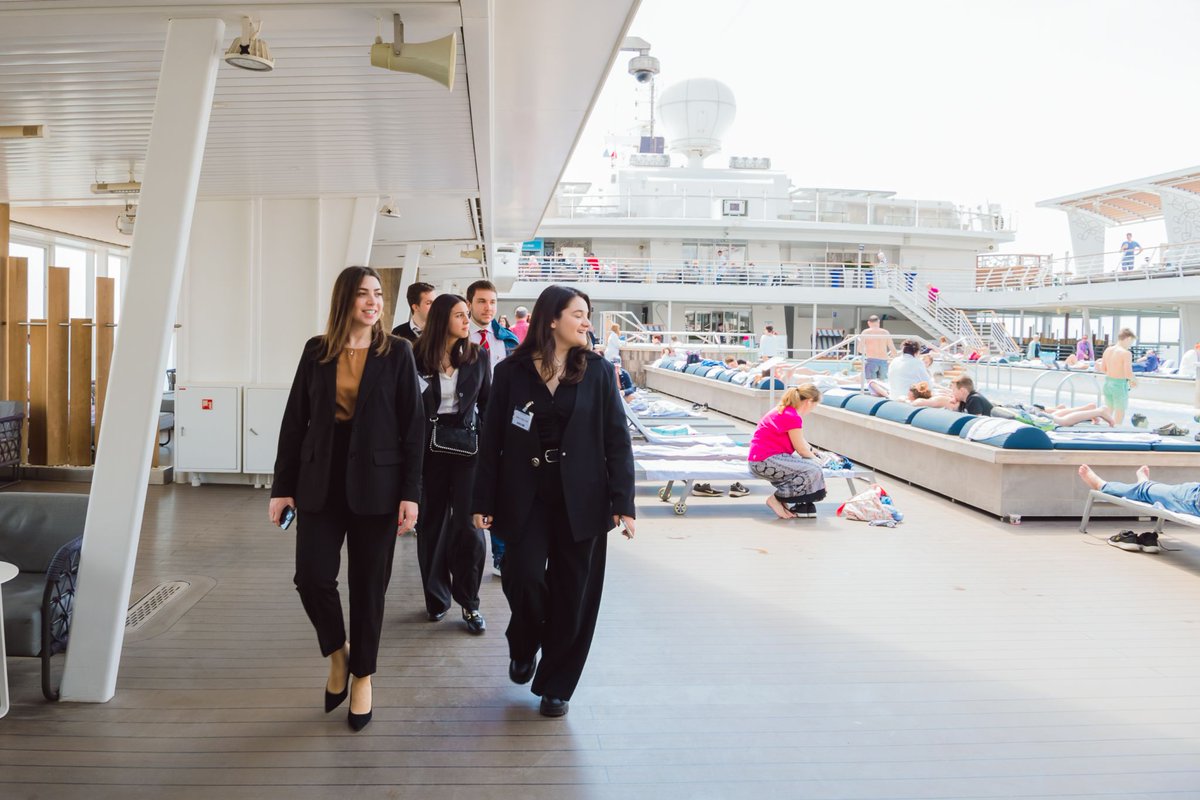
248	51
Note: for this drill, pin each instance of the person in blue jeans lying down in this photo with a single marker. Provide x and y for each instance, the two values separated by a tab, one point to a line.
1182	498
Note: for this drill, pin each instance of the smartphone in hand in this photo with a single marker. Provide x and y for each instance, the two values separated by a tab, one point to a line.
287	518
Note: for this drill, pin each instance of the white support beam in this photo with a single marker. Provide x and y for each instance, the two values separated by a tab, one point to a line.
1181	212
114	520
1087	241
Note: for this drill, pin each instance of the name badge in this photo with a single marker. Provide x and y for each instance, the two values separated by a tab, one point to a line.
522	419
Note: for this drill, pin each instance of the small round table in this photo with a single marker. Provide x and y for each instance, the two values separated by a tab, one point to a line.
7	573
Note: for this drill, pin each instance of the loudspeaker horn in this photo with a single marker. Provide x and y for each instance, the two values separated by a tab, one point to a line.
435	60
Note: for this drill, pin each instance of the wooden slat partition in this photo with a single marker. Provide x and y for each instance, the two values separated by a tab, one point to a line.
80	442
105	336
58	337
5	222
38	358
16	335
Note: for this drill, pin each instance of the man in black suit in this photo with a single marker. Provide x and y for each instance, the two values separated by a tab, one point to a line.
419	296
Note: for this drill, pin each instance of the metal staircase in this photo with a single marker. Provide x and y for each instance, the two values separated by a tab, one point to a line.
934	317
999	342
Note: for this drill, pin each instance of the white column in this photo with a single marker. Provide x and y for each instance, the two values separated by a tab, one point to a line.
409	275
1087	241
114	521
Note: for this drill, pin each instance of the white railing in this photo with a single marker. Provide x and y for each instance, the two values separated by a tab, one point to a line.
1001	272
924	302
801	205
815	274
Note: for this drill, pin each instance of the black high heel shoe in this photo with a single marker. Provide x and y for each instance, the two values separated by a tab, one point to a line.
332	700
358	721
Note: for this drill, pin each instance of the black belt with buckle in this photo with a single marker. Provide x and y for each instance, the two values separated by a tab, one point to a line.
547	457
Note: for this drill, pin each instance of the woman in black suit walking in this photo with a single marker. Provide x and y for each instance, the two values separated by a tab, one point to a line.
555	474
349	462
455	381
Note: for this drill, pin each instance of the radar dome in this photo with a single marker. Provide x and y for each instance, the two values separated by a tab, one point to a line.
696	114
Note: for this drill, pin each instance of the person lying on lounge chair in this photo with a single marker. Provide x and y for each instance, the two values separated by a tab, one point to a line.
1180	498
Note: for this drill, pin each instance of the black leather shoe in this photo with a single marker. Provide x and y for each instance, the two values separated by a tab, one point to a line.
438	616
475	621
359	721
553	706
521	671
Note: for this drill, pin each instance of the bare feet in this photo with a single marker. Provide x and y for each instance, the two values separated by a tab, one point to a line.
779	508
339	665
1089	477
1143	473
360	694
1107	417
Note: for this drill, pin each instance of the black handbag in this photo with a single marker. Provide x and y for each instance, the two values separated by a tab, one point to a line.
450	440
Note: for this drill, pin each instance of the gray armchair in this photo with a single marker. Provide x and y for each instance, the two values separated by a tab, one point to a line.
41	534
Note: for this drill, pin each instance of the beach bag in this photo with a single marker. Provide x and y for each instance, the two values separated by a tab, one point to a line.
865	506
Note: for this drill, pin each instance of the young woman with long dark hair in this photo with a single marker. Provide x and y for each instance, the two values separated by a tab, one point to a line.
349	463
456	378
555	429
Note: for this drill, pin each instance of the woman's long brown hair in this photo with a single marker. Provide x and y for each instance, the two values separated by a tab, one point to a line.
341	312
539	339
432	342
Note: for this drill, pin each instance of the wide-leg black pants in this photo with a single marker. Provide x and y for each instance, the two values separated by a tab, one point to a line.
450	550
370	545
553	585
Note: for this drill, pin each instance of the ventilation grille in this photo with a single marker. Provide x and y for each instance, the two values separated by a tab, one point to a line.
141	611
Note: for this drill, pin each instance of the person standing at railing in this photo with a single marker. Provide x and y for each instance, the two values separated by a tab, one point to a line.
877	348
932	294
1129	250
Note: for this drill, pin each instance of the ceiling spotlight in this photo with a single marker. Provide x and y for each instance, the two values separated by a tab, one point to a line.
248	51
389	209
435	60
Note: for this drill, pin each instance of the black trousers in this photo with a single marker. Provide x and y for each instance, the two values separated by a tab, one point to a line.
370	545
553	585
450	551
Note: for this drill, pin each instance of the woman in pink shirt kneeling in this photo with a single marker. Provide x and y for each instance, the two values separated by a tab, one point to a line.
779	454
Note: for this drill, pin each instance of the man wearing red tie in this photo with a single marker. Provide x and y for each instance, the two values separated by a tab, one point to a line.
497	342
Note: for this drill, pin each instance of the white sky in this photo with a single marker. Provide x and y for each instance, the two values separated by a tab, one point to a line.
1010	102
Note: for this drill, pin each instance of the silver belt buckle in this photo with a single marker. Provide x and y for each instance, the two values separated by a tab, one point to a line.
556	456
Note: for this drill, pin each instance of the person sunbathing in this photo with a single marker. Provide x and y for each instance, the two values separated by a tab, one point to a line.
1180	498
924	395
1066	416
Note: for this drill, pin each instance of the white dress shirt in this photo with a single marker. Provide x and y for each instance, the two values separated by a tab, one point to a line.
495	347
449	387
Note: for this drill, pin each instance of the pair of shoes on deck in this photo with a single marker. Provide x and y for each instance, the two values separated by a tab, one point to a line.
1171	429
1135	542
706	490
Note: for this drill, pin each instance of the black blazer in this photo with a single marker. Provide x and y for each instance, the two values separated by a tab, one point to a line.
384	464
405	332
474	386
597	458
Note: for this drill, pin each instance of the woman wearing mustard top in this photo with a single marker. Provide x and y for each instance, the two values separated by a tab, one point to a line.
349	462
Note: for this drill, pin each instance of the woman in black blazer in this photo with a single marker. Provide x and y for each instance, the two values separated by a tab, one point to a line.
349	462
555	474
455	381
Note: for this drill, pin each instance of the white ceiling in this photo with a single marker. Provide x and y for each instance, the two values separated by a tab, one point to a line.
324	122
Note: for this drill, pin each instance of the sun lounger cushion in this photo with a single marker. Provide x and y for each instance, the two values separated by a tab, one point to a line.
714	372
695	369
1069	444
864	404
898	412
727	375
1024	438
1176	446
836	397
771	383
943	420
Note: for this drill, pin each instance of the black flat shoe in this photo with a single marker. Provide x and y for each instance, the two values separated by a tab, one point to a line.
521	671
475	621
553	706
438	616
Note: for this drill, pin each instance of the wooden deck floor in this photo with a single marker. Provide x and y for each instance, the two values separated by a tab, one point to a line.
954	657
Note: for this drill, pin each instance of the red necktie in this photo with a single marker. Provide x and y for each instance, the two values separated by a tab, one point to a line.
483	342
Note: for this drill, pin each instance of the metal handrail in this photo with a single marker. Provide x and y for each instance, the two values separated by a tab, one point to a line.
1068	380
1025	271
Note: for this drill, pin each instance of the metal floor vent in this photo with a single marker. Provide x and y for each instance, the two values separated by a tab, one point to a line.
140	612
